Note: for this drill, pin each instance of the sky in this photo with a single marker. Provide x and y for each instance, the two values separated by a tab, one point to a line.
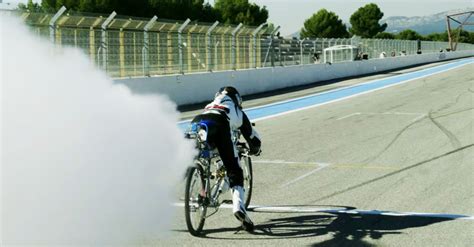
291	14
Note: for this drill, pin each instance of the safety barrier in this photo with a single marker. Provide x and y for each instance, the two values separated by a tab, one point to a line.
200	87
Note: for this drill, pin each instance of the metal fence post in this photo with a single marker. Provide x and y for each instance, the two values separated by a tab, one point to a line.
352	54
52	24
254	37
272	59
330	42
300	41
146	43
339	53
180	45
233	51
381	46
210	65
104	39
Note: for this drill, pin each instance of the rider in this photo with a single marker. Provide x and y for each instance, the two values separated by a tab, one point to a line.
223	115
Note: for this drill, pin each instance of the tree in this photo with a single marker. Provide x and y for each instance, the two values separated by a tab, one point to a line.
437	37
365	21
30	6
54	5
183	9
241	11
384	35
227	11
210	14
324	24
409	34
471	37
465	36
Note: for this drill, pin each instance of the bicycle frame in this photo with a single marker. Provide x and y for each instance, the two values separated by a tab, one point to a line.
209	175
207	159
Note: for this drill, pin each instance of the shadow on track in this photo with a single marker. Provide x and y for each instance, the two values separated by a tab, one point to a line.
342	228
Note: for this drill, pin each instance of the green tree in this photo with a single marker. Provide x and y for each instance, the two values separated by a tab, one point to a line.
464	37
324	24
471	37
48	5
409	34
210	14
241	11
30	6
365	21
54	5
183	9
227	11
384	35
437	37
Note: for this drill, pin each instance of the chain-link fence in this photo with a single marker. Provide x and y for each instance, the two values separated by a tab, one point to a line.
132	47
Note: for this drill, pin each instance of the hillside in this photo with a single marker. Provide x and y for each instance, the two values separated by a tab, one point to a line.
423	24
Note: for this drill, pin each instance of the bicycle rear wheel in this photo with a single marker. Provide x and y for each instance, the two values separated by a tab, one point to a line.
246	163
195	206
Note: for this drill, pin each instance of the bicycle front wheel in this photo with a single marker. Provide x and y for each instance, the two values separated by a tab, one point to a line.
246	163
195	206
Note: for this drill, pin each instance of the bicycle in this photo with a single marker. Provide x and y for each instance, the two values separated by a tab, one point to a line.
206	179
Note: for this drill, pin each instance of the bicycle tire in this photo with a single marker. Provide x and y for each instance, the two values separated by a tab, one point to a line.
194	230
248	179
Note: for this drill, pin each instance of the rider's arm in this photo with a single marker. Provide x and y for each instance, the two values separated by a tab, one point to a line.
250	135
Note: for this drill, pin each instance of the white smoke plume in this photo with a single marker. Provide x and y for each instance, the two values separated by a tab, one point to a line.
84	162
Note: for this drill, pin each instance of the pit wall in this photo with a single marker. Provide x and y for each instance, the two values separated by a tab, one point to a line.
200	87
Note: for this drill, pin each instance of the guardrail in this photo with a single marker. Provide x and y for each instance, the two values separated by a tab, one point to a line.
137	47
199	87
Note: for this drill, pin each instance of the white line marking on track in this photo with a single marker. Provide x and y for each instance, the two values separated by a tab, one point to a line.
303	209
348	116
400	214
347	97
383	113
321	166
403	113
285	162
226	206
418	118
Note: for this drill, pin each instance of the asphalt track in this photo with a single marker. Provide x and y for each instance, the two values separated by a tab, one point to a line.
393	167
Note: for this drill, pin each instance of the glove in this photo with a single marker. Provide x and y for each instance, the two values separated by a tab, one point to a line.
255	152
255	145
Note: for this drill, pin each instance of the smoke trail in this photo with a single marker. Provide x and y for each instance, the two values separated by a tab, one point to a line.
84	162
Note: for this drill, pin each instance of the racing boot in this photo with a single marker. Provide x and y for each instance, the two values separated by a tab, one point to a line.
239	208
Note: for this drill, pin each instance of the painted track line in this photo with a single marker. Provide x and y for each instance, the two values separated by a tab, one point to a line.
322	98
383	113
283	162
321	166
304	209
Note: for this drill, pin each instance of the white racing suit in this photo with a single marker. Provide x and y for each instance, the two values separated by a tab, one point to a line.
222	116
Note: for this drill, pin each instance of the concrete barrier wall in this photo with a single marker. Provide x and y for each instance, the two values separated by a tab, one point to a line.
200	87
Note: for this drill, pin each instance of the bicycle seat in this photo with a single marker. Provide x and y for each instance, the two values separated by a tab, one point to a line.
201	129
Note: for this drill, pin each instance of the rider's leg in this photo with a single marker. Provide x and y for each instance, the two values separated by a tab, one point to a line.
239	208
229	156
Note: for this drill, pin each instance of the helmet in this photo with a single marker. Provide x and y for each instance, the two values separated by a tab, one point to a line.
232	93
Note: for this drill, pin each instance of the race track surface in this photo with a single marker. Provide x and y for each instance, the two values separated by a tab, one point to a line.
392	167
